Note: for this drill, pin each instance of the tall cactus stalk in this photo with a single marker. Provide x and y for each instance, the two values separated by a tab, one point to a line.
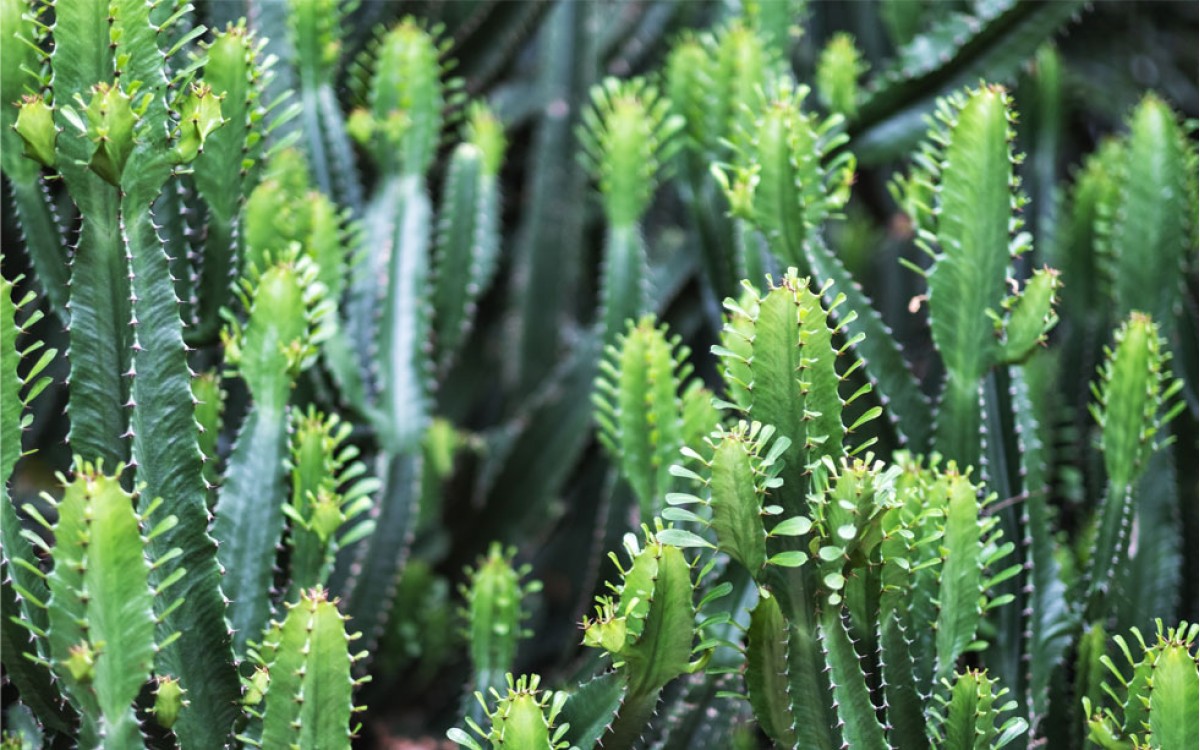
1135	398
285	306
626	135
115	142
401	128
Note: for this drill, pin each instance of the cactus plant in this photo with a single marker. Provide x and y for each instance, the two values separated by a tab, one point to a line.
310	319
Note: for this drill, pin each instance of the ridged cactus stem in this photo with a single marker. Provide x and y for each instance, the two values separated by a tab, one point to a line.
1003	458
404	333
549	262
624	292
807	672
975	202
224	173
44	237
631	720
101	630
117	134
377	564
768	687
851	698
307	702
92	157
1154	704
401	127
249	518
788	178
627	135
1136	399
169	465
967	718
523	717
19	390
24	589
648	408
398	226
743	477
495	613
468	238
752	263
781	343
100	336
648	628
278	341
712	82
315	27
329	494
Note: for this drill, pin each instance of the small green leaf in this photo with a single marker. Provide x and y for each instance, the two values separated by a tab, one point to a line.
789	559
797	526
682	538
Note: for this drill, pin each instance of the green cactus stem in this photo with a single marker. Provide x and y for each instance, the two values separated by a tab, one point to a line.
315	28
781	342
1149	229
1136	398
286	307
644	414
549	266
1152	706
237	71
25	590
101	630
522	717
121	132
767	685
306	664
967	718
963	204
788	178
627	134
210	406
838	72
401	128
856	713
648	628
331	493
468	238
494	615
1030	316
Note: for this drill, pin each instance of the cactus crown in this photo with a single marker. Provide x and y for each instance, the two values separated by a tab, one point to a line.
628	134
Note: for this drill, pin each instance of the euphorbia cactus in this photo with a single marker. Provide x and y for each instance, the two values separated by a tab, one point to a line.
280	339
297	363
523	716
627	136
495	615
648	407
1152	706
648	628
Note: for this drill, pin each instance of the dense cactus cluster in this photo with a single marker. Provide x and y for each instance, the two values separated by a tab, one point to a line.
343	344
